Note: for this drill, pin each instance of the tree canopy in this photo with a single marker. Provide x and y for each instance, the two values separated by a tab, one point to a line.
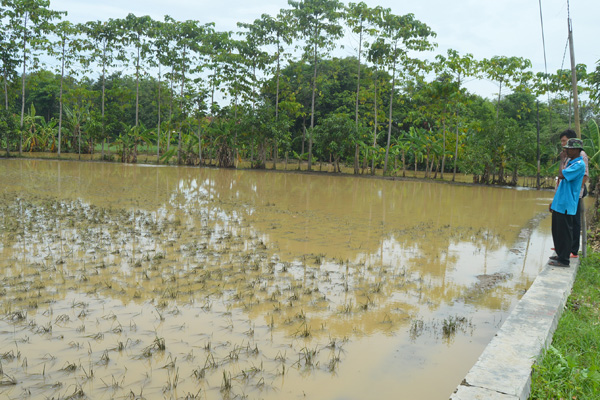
277	89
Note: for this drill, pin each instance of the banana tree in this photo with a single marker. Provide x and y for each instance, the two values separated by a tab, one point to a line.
400	146
591	140
76	118
47	134
31	121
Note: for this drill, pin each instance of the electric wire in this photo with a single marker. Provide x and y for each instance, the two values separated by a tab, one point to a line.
545	61
565	53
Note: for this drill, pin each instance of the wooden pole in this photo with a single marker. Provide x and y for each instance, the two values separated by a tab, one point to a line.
574	83
538	146
577	130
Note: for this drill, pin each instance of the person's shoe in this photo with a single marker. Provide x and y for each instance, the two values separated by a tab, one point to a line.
555	258
556	263
573	255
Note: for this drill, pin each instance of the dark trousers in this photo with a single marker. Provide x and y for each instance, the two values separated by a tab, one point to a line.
562	234
576	229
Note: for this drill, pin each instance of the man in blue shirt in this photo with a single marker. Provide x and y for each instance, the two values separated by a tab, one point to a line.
565	202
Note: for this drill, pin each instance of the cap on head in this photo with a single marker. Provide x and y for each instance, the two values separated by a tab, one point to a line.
574	143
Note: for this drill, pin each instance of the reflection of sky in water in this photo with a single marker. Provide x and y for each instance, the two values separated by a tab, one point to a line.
448	233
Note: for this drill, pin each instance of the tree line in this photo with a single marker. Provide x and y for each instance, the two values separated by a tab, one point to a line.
137	81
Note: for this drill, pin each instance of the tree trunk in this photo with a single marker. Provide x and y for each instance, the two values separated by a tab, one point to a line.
374	124
312	111
199	143
180	125
389	137
60	98
275	151
303	133
443	149
403	163
103	97
455	150
137	106
415	165
171	110
158	124
356	150
23	82
275	144
515	176
79	141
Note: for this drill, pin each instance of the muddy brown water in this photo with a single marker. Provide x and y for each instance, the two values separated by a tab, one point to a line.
123	281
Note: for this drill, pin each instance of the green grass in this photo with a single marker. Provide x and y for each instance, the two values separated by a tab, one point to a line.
570	367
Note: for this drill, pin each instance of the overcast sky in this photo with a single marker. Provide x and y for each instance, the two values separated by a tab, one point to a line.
484	28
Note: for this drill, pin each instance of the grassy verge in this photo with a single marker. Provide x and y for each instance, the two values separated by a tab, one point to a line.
570	367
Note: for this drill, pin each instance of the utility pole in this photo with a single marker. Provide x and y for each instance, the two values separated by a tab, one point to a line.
574	81
577	130
538	146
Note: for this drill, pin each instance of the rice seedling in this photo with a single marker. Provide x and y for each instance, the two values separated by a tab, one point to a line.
452	324
172	381
308	357
226	384
334	361
304	331
69	367
104	359
416	328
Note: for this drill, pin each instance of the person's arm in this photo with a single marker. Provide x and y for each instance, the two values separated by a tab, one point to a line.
587	168
573	171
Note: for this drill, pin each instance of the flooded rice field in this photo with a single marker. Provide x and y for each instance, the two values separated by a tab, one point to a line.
143	282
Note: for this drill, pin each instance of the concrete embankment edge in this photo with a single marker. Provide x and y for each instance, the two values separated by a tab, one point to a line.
503	371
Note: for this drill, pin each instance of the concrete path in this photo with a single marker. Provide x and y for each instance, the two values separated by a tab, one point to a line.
503	371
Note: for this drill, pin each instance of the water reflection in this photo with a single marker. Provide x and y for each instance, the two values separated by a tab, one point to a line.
309	270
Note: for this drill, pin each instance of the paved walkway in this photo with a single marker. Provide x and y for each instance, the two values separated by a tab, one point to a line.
503	371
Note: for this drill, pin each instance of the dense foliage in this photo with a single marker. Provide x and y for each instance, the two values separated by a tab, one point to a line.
275	90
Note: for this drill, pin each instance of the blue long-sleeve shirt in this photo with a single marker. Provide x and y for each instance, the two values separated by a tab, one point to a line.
566	198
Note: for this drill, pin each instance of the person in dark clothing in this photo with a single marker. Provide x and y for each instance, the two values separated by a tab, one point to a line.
565	203
564	137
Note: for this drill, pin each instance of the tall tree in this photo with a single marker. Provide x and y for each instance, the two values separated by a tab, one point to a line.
32	21
134	31
317	23
9	49
376	55
359	18
159	53
460	67
403	34
268	31
190	36
508	72
66	48
103	45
